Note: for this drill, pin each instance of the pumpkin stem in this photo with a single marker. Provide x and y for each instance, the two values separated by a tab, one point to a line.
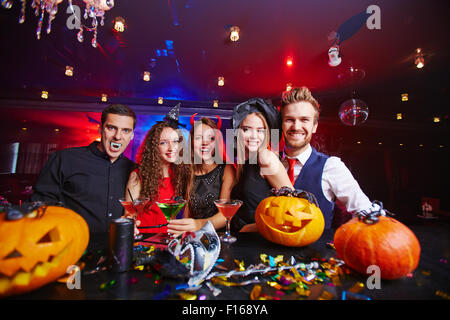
297	193
371	217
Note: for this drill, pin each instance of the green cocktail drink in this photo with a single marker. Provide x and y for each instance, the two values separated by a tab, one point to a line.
170	208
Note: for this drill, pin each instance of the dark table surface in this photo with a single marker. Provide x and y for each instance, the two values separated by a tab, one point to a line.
431	275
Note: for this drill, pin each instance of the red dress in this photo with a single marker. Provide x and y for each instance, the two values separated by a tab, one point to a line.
153	216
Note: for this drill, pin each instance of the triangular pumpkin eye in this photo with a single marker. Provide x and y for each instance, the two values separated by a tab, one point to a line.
14	254
51	236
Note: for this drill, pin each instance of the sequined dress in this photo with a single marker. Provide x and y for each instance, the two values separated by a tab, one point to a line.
206	189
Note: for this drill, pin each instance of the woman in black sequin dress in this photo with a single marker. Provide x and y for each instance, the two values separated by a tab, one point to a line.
211	179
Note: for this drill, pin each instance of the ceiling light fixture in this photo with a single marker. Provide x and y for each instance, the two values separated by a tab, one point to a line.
404	97
234	33
94	9
160	100
119	24
104	97
289	86
44	94
419	60
146	76
399	116
333	56
220	81
289	61
216	103
69	71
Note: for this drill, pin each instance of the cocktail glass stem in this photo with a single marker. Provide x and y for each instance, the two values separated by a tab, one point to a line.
227	232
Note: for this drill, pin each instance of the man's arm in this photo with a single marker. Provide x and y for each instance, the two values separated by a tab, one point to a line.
49	183
339	183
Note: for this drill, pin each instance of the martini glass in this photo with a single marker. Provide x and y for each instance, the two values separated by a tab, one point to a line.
135	207
170	208
228	209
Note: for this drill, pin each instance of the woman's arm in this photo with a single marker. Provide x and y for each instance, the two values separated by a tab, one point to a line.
273	170
133	186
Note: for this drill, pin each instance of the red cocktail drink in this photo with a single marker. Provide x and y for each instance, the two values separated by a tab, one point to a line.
228	209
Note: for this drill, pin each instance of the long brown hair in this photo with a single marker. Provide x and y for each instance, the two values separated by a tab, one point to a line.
150	164
241	148
197	167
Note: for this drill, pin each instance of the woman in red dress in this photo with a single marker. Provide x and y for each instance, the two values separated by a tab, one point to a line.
158	176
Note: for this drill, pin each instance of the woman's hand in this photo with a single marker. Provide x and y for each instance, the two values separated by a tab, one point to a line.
178	226
251	227
136	222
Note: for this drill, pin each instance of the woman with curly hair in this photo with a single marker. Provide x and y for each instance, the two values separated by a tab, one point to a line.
158	176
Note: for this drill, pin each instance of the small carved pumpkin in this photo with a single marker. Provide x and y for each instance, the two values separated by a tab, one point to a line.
289	220
381	241
37	248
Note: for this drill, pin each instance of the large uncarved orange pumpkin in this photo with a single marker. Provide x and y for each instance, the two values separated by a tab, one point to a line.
38	248
290	221
388	244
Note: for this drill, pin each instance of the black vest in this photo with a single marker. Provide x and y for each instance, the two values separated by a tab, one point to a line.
310	179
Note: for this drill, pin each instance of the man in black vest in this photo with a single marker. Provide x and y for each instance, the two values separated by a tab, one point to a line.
91	179
326	177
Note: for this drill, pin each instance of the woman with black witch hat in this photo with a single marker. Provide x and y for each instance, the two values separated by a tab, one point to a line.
259	169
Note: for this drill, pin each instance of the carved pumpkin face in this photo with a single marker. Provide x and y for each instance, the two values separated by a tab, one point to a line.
38	248
290	221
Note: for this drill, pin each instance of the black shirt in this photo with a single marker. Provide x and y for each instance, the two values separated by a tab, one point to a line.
206	190
85	180
252	188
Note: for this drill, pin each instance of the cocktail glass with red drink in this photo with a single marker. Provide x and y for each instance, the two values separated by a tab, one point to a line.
228	209
134	208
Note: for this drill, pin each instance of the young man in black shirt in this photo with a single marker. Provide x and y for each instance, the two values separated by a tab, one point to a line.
90	180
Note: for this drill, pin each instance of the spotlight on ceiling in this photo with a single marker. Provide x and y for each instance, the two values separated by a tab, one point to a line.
69	71
119	24
234	33
146	76
419	59
289	61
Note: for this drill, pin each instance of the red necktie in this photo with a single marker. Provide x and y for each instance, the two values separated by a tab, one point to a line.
291	169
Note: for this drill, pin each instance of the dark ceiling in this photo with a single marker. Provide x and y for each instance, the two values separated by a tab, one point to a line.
254	66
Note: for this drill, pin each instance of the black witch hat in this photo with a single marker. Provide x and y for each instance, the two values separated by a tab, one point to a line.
172	117
256	105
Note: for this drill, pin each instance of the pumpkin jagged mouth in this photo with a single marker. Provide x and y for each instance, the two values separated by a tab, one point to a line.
286	227
41	269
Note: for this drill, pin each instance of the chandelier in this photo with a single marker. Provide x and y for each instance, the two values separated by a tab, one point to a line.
94	10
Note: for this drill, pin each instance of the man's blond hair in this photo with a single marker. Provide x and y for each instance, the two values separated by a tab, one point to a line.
299	95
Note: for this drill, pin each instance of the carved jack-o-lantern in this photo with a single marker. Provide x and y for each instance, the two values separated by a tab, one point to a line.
37	248
289	220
